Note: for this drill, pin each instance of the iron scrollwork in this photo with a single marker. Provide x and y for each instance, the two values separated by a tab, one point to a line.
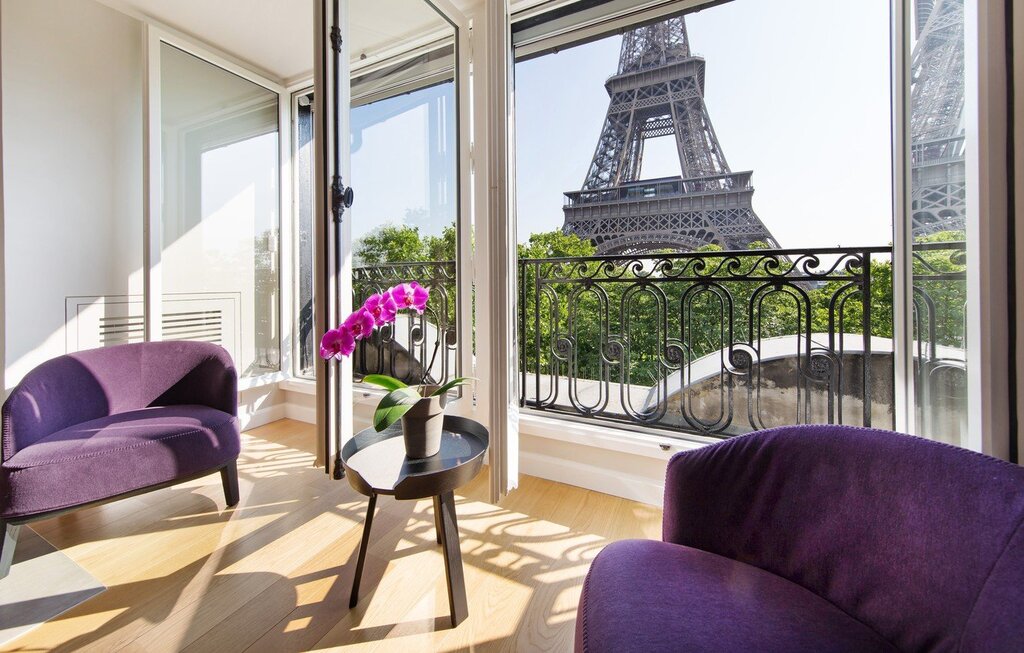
720	343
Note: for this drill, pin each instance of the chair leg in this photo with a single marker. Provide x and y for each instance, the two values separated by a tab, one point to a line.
8	539
229	479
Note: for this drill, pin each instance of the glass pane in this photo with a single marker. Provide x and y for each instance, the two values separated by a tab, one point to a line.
220	212
939	213
307	341
405	175
403	227
730	238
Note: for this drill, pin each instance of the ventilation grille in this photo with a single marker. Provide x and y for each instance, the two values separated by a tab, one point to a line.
102	321
205	326
121	330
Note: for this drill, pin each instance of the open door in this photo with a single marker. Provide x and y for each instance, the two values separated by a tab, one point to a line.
466	158
332	285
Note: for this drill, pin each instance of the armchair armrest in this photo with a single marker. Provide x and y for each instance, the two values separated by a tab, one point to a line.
194	373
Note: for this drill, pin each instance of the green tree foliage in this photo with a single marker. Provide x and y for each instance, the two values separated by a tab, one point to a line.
441	248
390	244
404	244
555	244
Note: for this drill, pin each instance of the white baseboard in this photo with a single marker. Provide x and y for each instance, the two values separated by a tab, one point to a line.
262	416
602	478
299	413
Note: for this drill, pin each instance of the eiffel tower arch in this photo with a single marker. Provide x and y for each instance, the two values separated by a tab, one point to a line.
938	169
658	90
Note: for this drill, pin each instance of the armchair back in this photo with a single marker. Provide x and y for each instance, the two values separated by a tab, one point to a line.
921	541
90	384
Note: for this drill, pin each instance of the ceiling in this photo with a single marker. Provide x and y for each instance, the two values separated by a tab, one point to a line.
275	36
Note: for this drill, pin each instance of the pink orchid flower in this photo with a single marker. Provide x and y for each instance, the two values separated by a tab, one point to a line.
337	343
382	308
360	324
410	295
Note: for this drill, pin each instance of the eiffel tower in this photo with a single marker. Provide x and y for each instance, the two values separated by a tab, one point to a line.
659	91
938	172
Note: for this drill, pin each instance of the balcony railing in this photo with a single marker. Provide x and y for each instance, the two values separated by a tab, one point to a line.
416	348
713	343
722	343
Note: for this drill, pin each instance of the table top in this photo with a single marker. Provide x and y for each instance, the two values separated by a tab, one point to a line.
375	463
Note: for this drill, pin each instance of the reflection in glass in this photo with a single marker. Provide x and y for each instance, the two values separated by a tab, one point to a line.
939	214
220	210
405	173
307	340
403	229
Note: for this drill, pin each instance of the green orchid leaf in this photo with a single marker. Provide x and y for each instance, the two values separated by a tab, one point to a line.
461	380
384	381
391	408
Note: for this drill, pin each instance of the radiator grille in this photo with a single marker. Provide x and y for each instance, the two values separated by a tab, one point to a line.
105	320
206	326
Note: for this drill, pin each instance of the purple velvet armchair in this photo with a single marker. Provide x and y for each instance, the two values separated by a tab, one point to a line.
103	424
823	539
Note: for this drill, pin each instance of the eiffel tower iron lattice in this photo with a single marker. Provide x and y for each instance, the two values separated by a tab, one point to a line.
938	169
658	90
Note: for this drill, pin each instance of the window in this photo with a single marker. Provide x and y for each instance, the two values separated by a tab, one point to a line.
307	343
706	225
403	160
938	218
220	210
404	220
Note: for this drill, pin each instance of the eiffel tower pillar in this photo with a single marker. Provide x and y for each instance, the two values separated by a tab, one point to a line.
658	90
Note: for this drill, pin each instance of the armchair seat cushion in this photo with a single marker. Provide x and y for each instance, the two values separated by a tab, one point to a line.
119	453
651	596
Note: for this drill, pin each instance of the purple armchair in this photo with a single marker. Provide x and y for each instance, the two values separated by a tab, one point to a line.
823	539
107	423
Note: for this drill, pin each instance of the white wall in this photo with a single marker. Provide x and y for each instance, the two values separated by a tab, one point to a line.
72	174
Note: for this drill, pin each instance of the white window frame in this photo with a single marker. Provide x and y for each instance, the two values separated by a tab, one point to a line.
156	35
294	91
988	369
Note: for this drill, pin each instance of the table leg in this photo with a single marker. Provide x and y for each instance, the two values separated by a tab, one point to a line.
437	518
453	560
354	598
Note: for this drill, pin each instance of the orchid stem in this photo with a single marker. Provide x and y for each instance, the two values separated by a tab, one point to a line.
433	357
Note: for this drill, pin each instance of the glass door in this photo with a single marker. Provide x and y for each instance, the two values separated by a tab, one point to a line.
220	210
935	230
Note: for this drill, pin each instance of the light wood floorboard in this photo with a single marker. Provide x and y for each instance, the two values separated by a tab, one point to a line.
274	573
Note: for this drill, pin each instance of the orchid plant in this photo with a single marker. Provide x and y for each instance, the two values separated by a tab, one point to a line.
378	310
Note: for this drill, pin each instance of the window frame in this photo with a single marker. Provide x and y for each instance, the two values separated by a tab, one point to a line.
156	36
988	310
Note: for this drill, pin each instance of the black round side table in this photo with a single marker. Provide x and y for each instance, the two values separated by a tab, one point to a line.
375	463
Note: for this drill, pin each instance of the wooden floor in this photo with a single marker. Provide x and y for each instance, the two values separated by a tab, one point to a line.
274	573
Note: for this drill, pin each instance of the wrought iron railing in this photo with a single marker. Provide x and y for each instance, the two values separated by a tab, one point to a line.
416	348
940	338
721	343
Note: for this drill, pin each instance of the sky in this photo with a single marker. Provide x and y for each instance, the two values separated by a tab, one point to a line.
403	162
797	90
